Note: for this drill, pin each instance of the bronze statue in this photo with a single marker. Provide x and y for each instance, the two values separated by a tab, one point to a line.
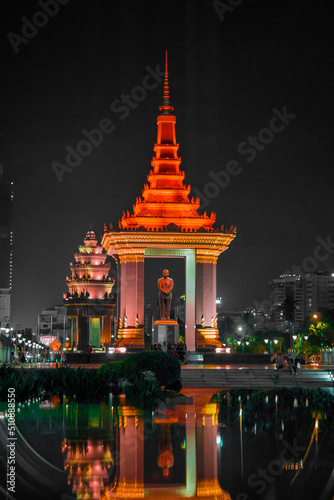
165	286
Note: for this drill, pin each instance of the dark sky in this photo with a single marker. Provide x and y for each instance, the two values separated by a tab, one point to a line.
226	77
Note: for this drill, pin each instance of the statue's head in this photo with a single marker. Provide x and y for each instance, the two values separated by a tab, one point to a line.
165	273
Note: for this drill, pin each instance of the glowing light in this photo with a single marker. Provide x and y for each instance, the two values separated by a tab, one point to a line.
120	349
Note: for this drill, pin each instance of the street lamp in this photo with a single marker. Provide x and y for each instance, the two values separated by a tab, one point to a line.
240	329
266	341
301	338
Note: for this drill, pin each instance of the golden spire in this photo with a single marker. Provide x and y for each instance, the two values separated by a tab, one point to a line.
166	108
166	85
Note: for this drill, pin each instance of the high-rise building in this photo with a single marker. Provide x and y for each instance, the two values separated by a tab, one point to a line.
319	291
287	297
53	323
6	242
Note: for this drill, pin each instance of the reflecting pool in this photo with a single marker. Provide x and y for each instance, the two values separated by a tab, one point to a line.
236	444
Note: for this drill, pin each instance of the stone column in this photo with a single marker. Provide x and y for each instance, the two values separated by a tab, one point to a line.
206	291
131	301
132	292
131	453
190	299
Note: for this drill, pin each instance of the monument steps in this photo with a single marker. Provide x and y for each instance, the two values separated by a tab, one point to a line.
254	378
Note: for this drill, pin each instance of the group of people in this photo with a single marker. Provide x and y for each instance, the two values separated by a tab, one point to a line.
17	356
179	350
291	361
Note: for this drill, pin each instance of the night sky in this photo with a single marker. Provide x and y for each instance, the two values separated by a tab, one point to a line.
228	73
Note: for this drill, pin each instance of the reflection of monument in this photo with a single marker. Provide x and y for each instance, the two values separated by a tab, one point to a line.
200	426
165	223
165	286
88	467
89	302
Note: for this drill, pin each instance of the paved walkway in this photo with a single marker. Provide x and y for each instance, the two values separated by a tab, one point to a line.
266	376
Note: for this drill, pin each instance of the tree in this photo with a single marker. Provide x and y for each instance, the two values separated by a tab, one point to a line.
320	332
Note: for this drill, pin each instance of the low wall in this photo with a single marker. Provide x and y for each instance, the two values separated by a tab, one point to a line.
77	358
236	359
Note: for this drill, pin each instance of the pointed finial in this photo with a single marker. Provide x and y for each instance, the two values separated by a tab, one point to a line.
166	108
166	85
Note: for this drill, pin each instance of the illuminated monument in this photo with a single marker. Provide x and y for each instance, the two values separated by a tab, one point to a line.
168	454
166	223
89	301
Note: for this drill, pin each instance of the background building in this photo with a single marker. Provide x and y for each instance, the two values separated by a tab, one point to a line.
294	298
319	292
288	302
6	242
258	316
53	322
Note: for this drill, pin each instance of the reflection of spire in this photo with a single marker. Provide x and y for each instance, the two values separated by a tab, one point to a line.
166	457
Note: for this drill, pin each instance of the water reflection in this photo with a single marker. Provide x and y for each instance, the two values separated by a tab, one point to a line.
239	445
277	444
88	449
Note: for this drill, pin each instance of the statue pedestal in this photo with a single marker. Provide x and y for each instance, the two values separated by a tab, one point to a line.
165	332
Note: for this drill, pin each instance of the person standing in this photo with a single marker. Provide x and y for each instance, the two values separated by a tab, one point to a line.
292	361
89	353
279	361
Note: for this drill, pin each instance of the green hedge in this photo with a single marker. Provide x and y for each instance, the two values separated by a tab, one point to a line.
165	366
140	375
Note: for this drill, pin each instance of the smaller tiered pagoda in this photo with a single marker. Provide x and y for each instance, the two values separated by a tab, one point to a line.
89	301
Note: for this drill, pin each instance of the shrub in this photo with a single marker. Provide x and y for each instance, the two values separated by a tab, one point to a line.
109	375
27	383
165	367
143	391
83	385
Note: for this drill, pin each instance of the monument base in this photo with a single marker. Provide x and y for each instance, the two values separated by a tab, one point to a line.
207	339
130	338
166	331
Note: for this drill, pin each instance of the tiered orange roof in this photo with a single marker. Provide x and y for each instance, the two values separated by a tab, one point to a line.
165	202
